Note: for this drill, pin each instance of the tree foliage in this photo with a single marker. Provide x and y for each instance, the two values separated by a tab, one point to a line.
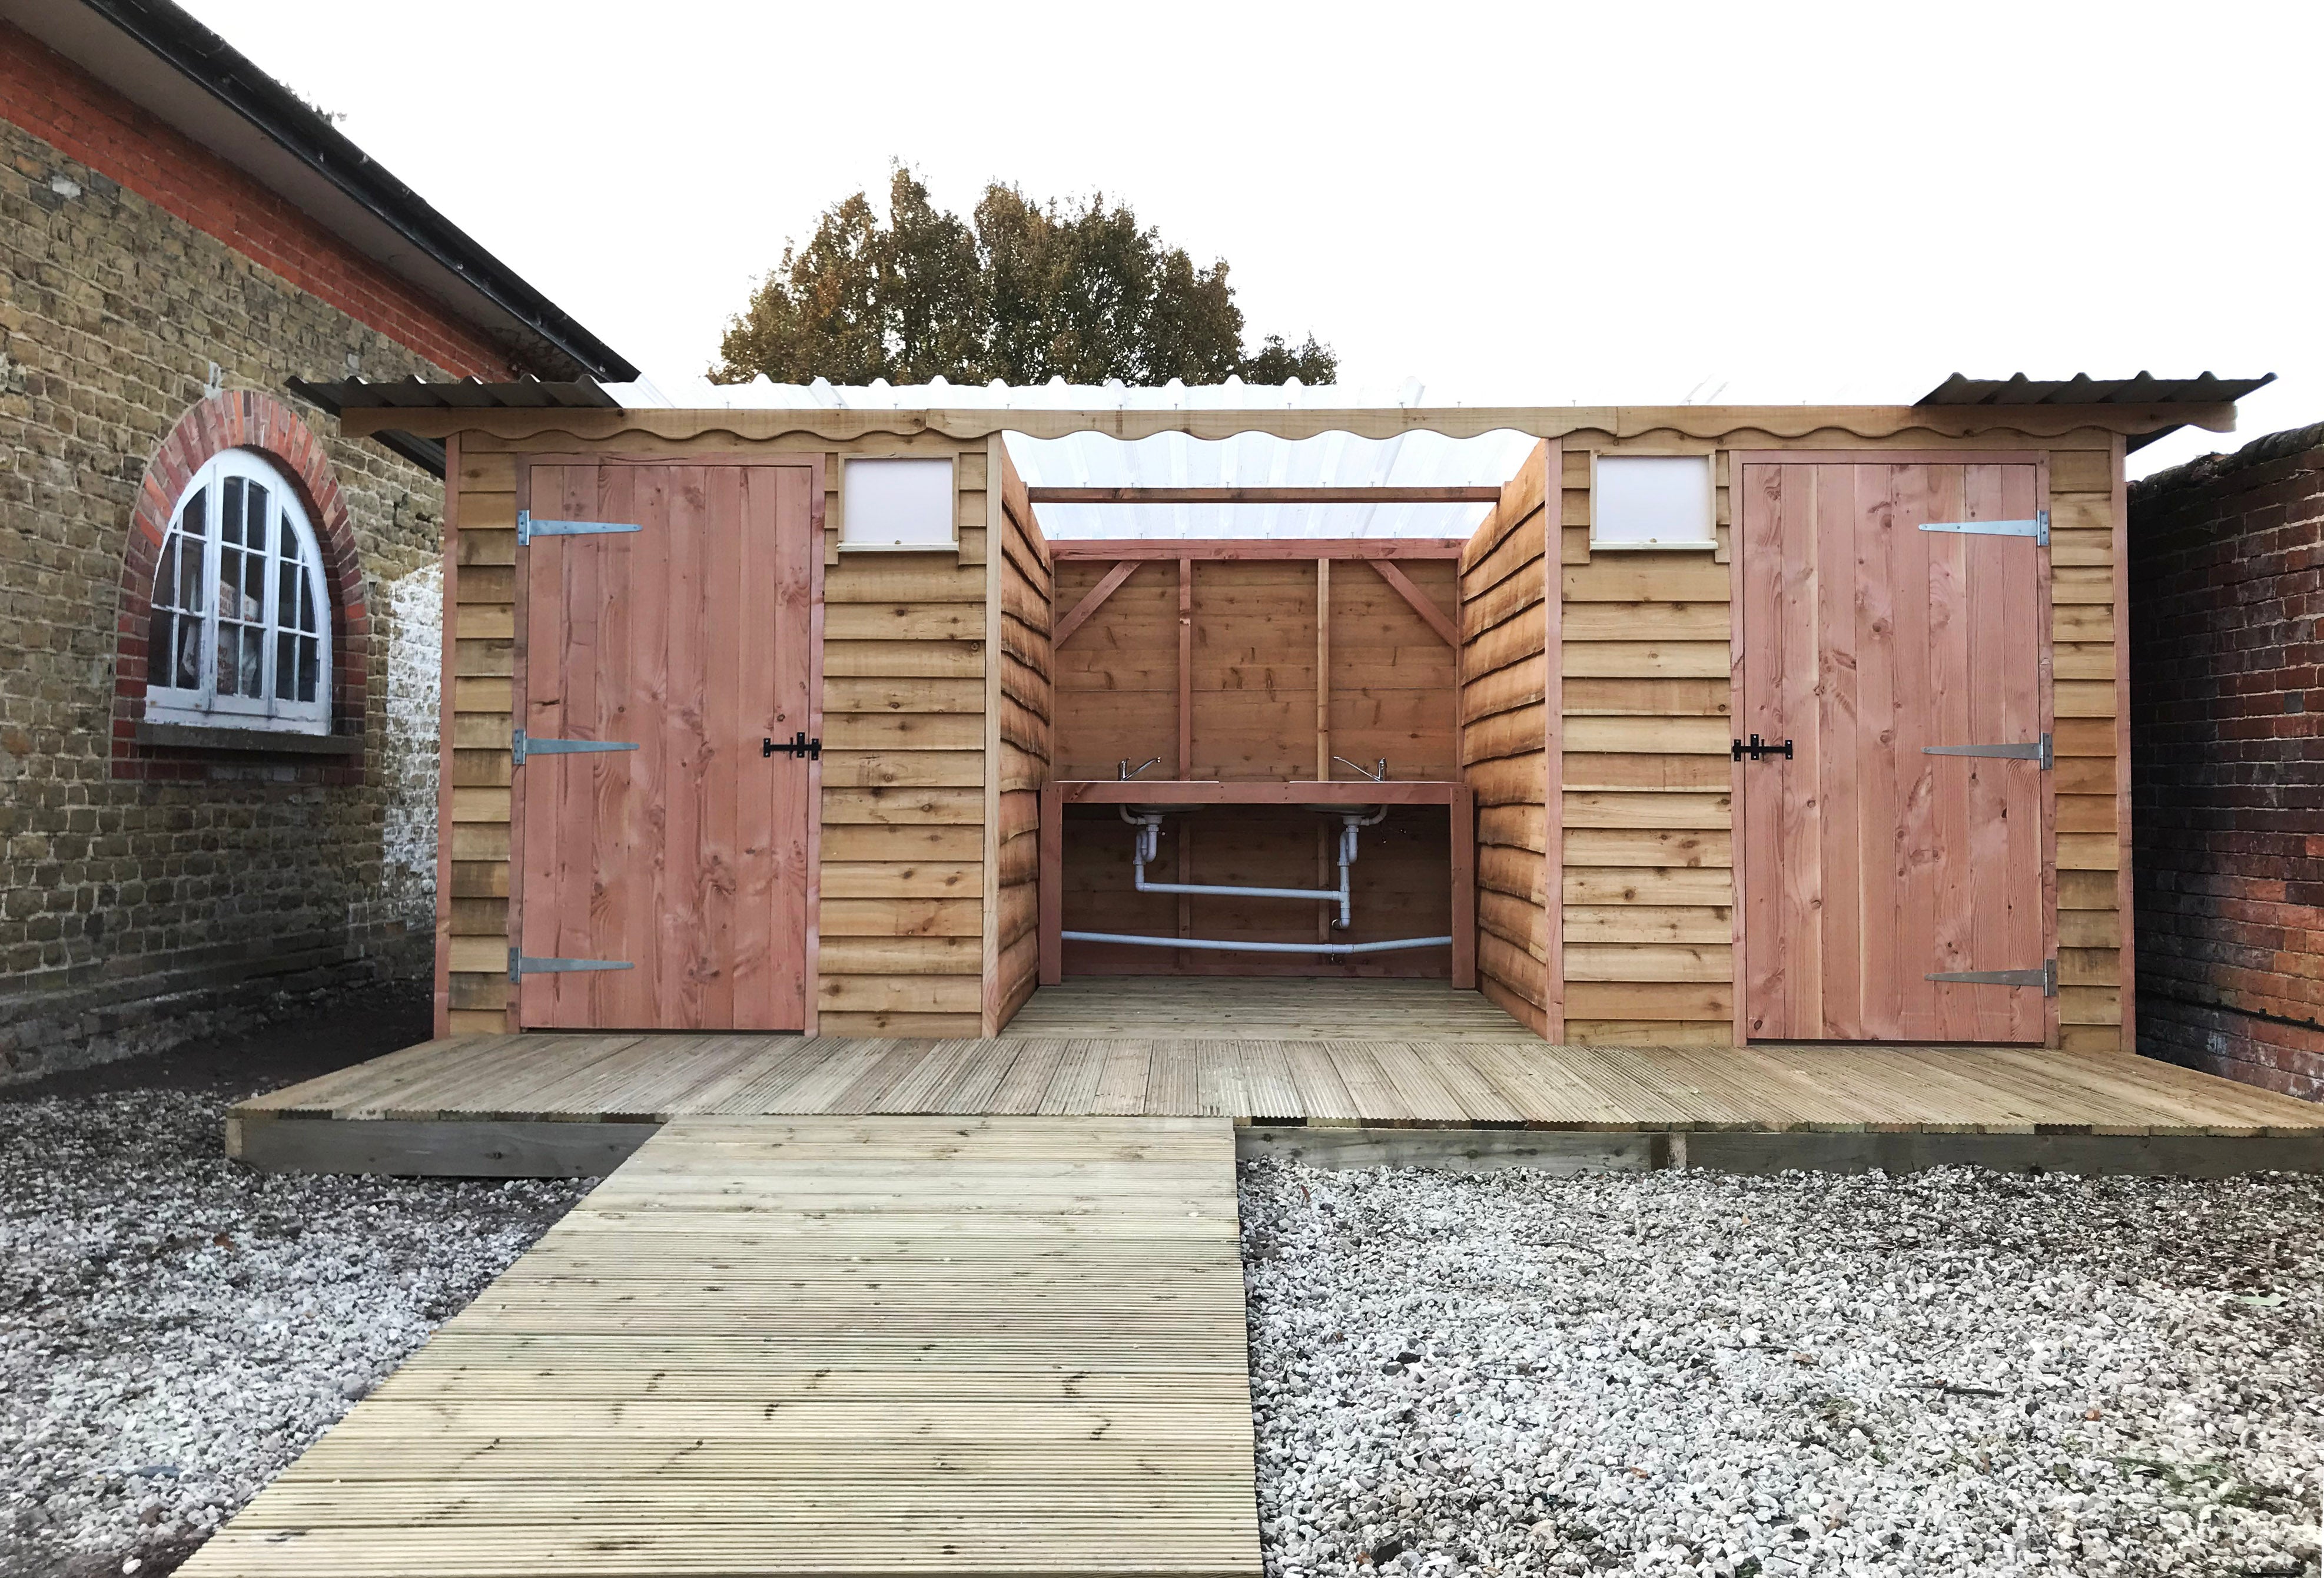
1023	292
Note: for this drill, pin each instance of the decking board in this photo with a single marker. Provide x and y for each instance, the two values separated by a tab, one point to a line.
1371	1054
821	1346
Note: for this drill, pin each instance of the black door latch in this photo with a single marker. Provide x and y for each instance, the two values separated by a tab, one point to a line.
1759	748
797	746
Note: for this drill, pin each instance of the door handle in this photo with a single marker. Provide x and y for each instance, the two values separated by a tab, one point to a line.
1758	749
797	746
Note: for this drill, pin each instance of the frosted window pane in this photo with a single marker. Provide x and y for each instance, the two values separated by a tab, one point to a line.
1652	499
892	504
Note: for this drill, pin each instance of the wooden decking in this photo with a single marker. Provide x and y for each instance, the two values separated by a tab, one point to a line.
821	1346
544	1102
1174	1008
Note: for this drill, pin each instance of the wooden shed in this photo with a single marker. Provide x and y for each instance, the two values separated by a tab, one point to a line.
1843	759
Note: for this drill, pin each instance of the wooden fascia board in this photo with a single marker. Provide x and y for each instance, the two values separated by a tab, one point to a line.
1228	549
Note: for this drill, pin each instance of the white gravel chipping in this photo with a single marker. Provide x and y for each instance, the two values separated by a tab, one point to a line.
174	1328
1946	1372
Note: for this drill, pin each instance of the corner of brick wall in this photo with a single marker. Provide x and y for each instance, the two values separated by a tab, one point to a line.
2226	674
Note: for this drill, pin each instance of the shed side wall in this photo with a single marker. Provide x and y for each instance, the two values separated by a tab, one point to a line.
1018	739
1507	686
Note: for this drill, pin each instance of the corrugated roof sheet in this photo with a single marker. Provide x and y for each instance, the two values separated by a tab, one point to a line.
2082	389
335	395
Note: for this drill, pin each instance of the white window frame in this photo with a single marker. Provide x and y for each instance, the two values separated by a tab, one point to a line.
201	704
948	543
1707	543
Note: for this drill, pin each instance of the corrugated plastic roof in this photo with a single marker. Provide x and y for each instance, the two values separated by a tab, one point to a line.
1263	460
2082	389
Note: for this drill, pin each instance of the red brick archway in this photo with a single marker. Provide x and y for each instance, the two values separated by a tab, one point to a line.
240	419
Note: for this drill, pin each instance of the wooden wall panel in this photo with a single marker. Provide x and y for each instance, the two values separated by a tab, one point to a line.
475	940
2094	963
1649	922
1018	729
1253	675
1117	679
1509	714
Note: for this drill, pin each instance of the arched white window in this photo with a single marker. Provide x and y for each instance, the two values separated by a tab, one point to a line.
241	635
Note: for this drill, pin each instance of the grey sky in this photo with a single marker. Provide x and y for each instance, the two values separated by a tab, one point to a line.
1736	203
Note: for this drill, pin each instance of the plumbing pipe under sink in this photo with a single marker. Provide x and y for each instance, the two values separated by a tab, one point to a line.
1148	821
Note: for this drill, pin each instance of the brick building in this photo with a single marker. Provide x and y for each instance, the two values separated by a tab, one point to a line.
221	620
2226	645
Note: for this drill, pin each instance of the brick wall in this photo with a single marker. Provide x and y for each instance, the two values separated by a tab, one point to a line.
2226	628
136	911
79	117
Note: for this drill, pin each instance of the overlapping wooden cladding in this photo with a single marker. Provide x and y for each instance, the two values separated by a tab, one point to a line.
1508	709
1021	694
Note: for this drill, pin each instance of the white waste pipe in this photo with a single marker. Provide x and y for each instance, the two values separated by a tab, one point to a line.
1148	838
1336	950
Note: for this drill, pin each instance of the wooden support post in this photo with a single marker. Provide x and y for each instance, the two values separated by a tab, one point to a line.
1186	668
1464	817
1323	669
1052	836
1552	756
1185	742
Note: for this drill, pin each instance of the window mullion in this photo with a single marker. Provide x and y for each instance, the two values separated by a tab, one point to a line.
213	564
270	575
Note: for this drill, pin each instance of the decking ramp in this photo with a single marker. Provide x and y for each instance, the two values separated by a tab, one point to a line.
821	1345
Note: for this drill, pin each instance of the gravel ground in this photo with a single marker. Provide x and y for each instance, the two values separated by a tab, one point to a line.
174	1328
1950	1373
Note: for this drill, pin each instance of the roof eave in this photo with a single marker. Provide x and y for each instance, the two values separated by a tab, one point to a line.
550	408
213	94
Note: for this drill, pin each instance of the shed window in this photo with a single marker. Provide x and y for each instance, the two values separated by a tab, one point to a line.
240	634
897	504
1652	502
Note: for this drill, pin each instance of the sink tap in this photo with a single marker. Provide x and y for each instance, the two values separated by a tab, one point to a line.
1129	772
1378	775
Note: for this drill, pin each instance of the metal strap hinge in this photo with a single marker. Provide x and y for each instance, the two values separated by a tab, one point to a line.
520	965
528	528
2042	750
2046	977
2038	528
520	746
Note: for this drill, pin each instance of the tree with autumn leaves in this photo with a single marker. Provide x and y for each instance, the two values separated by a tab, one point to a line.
1022	291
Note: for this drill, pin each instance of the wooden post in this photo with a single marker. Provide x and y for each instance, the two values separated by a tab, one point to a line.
1553	758
1186	668
447	774
1326	864
1052	836
1323	669
1463	814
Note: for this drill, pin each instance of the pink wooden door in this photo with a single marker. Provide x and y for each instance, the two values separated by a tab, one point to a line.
1867	863
685	858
